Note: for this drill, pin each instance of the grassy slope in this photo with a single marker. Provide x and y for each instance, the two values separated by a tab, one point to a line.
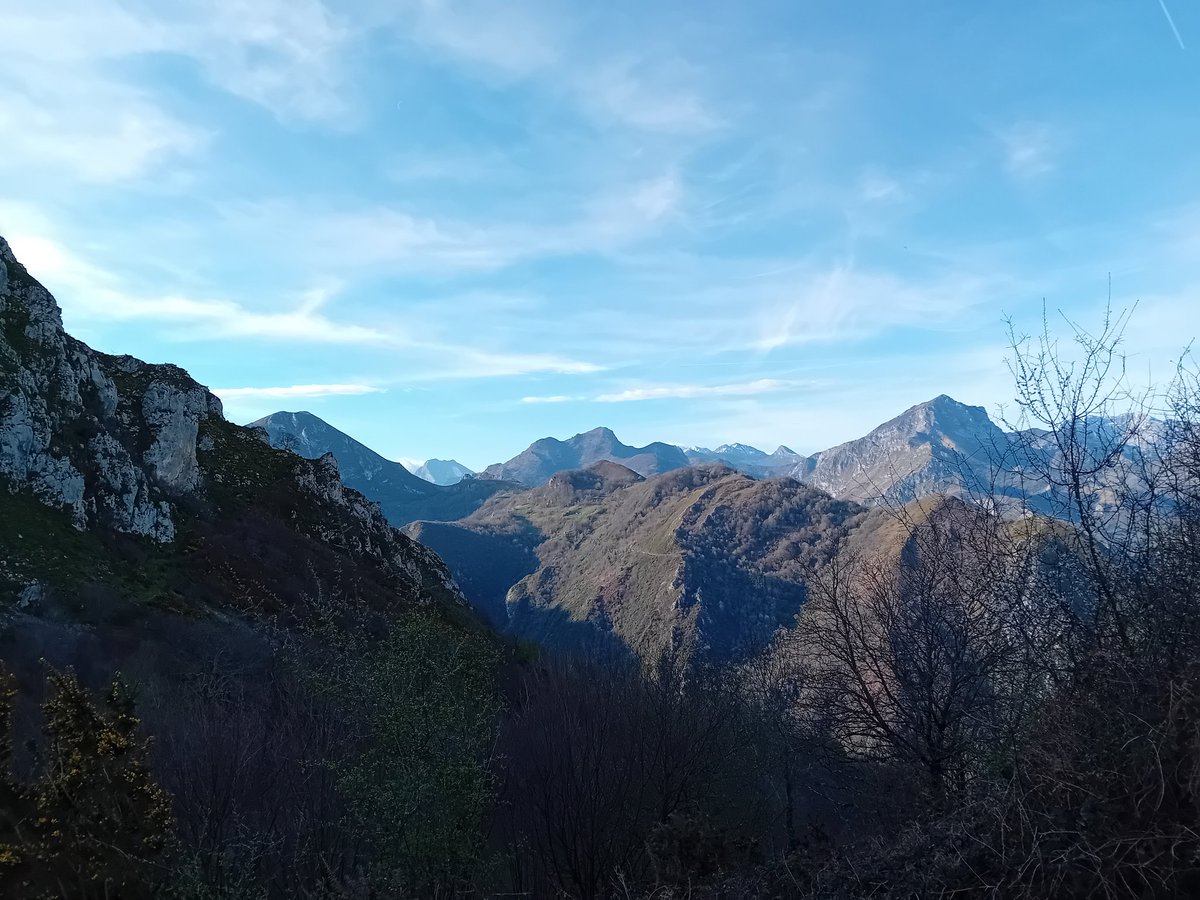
701	555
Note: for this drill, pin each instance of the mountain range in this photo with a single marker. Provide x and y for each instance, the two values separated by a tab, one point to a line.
591	542
747	459
940	446
403	496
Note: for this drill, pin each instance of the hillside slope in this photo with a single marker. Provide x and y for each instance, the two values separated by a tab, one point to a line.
703	558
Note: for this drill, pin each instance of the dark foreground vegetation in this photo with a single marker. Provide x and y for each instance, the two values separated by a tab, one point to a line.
1001	705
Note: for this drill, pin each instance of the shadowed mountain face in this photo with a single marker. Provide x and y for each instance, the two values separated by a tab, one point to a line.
702	558
544	458
403	496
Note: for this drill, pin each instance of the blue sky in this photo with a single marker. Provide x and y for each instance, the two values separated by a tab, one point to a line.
450	228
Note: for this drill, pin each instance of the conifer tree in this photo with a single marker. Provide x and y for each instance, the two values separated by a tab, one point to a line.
93	823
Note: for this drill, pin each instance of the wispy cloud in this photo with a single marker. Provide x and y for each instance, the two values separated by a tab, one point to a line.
92	132
654	92
73	110
468	362
637	96
553	398
514	39
692	391
288	56
846	302
350	237
88	291
1031	149
296	391
877	187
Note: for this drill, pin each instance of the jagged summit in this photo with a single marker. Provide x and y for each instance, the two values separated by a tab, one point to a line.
543	458
936	446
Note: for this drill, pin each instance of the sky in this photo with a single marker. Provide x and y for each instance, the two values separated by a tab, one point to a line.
451	228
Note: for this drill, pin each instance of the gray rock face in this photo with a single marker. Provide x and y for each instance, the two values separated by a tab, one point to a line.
31	595
126	446
174	418
112	439
937	447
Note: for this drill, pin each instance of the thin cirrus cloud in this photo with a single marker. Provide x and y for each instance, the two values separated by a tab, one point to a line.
91	292
1031	149
552	398
694	391
676	392
74	111
402	241
296	391
533	43
848	302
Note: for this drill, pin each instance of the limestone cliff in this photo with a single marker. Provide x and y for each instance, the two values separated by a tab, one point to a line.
117	445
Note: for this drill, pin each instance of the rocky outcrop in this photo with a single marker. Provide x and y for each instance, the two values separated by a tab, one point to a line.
127	446
937	447
112	439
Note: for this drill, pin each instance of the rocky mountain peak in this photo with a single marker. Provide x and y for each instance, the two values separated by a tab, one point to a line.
946	412
444	472
543	458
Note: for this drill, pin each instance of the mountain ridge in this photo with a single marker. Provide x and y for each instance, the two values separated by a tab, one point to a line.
546	456
933	447
403	496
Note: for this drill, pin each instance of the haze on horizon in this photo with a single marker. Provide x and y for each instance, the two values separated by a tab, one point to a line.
450	229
